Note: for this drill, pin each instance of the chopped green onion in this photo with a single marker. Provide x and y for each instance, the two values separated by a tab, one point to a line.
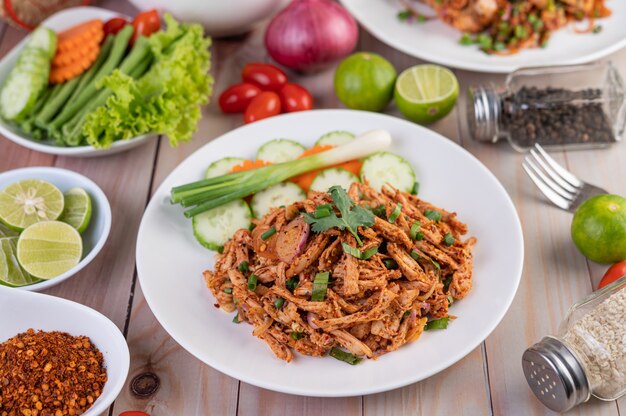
369	253
395	213
268	233
484	41
450	300
432	215
415	228
320	284
407	313
437	324
415	255
537	26
421	18
520	32
228	290
346	357
597	29
466	39
404	15
292	283
236	319
296	335
448	239
532	18
243	267
252	281
323	211
446	283
390	264
355	252
278	303
499	46
416	188
436	263
380	211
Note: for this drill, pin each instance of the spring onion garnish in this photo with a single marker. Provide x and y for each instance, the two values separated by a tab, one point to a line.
448	239
390	264
320	284
252	280
450	300
243	267
323	211
292	283
369	253
436	263
355	252
415	255
446	283
228	290
432	215
395	213
415	228
236	319
296	335
416	188
210	193
419	236
346	357
268	233
278	303
407	313
441	323
380	211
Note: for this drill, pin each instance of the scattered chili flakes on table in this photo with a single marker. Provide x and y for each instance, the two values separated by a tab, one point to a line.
49	374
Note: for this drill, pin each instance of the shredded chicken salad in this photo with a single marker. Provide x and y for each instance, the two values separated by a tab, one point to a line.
351	274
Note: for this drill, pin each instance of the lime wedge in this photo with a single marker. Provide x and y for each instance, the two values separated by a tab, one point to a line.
11	273
49	248
29	201
426	93
77	211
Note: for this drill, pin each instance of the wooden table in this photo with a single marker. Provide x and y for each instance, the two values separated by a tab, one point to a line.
488	381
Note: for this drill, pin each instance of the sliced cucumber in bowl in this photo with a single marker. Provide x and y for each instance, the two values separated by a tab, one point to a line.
331	177
284	193
385	167
280	150
213	228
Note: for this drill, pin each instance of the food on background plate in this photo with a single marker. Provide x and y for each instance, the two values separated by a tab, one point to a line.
351	274
613	273
504	27
365	81
50	373
311	34
40	231
138	79
599	228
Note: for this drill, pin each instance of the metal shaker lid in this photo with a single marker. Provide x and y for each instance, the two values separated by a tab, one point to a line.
483	112
555	375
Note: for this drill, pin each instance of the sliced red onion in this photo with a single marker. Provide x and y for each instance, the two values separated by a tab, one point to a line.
310	317
292	239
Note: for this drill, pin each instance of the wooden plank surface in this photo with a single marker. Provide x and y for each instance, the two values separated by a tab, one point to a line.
488	381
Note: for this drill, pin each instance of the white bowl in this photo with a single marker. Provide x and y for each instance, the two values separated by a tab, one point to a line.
59	21
219	17
96	234
23	310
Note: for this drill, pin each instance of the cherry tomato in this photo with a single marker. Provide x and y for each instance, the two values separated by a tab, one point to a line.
133	413
145	24
294	97
262	106
266	76
613	273
235	99
114	25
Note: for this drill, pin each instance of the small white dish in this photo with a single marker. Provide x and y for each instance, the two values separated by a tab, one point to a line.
98	230
23	310
59	21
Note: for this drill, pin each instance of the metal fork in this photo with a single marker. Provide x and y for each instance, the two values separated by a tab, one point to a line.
560	186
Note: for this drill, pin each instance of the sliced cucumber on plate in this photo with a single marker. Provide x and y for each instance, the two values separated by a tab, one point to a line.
280	150
335	138
331	177
222	167
385	167
284	193
213	228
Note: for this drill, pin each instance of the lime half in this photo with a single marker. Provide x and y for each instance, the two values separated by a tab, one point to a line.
426	93
49	248
11	273
77	211
29	201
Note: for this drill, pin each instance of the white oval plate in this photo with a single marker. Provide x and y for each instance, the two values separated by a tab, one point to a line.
170	262
23	310
438	42
59	21
96	233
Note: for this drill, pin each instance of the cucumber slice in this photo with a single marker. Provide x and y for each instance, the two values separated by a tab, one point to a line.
335	138
222	166
44	39
284	193
280	150
384	167
214	227
331	177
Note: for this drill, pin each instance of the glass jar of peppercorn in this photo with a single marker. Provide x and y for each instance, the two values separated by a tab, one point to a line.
579	106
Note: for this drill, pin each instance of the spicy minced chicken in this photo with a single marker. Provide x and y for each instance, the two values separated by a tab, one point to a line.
302	279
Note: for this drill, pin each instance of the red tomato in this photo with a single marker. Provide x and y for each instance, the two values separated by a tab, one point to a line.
294	97
262	106
613	273
266	76
114	25
235	99
145	24
133	413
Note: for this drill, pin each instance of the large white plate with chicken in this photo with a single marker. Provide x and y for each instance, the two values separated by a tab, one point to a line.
439	42
170	263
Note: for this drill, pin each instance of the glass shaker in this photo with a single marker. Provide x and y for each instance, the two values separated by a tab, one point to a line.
587	356
578	106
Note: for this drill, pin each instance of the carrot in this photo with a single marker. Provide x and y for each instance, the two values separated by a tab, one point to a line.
77	49
80	34
67	57
249	165
59	74
318	148
305	180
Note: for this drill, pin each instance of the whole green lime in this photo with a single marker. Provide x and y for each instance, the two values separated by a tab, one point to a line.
365	81
599	228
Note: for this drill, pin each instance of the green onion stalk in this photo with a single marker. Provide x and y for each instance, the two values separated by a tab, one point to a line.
210	193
